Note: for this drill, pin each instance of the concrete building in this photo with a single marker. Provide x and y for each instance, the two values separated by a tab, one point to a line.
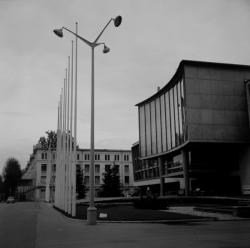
40	173
194	132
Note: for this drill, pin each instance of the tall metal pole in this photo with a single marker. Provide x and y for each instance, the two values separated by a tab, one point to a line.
75	133
68	134
91	213
64	144
71	128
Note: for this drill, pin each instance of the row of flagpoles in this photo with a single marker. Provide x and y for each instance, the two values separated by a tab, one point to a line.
65	182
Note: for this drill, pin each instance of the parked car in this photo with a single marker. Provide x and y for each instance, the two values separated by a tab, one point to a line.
10	199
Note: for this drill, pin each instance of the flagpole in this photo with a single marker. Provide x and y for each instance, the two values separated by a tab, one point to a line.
64	146
71	123
75	133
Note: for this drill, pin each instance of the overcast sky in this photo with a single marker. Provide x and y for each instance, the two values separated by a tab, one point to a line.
145	52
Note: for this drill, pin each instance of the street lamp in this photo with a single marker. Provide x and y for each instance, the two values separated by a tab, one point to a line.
91	212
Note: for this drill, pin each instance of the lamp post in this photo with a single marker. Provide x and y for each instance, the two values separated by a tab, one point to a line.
91	212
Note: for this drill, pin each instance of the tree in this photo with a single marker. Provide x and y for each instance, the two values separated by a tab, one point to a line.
1	185
80	185
49	141
12	175
111	183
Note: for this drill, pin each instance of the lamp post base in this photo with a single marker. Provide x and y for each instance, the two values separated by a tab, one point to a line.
91	215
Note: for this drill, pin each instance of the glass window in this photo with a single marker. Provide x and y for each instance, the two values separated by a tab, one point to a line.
43	179
126	157
86	168
153	127
163	123
78	156
183	110
97	180
107	166
168	121
97	168
126	179
117	157
44	168
171	96
86	156
158	125
148	130
107	157
142	130
97	156
86	180
126	168
176	114
180	112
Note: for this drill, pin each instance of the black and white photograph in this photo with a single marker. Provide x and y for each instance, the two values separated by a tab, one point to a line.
124	123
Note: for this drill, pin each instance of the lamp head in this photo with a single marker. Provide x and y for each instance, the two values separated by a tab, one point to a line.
58	32
105	49
118	21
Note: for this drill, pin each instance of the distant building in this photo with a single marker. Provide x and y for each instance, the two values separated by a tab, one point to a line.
38	181
194	132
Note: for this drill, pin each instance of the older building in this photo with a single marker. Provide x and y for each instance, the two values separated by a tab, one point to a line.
194	132
41	171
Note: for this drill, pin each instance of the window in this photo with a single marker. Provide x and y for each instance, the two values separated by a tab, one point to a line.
97	168
148	129
86	180
126	179
172	117
86	168
97	156
97	180
117	157
168	121
107	166
78	156
44	155
53	179
54	167
126	168
126	157
107	157
142	130
43	179
44	168
53	156
86	156
158	125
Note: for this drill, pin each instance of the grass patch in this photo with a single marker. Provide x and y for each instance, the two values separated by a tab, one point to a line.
127	212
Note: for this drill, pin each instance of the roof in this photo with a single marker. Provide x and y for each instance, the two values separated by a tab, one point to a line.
179	72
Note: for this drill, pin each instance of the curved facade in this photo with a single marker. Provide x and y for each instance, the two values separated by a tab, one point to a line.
162	121
192	132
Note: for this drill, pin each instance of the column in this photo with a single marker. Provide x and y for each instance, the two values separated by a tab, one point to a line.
162	179
184	153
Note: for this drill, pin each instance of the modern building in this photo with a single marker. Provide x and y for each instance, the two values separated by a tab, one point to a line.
194	132
40	173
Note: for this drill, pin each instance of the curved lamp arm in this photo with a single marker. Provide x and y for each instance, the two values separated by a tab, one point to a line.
78	36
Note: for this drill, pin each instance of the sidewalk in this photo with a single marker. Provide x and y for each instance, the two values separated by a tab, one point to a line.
55	230
190	210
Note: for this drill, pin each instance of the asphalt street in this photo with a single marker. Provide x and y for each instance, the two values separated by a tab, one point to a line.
39	225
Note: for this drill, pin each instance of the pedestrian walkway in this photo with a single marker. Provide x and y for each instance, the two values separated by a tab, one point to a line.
190	210
39	225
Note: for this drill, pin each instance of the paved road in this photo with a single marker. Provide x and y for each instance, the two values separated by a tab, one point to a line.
39	225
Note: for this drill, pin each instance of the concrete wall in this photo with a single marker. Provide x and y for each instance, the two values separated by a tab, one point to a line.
216	104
